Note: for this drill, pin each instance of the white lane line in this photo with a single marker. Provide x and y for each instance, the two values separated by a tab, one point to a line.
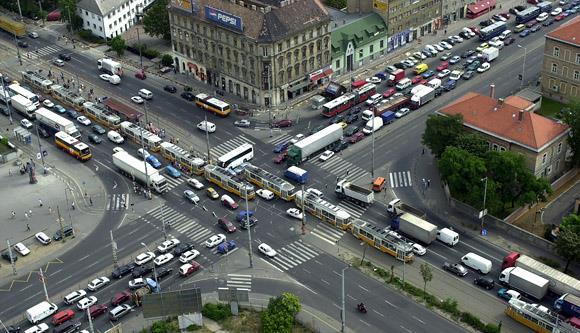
363	288
328	283
391	304
419	320
380	314
272	265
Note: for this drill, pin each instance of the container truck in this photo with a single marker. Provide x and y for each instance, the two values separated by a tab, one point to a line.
53	123
397	207
391	105
560	283
422	97
14	28
347	190
109	66
23	105
415	227
296	174
527	282
308	146
151	287
395	77
490	53
388	117
568	305
135	169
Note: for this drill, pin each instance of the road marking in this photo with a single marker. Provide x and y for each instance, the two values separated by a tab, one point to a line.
354	299
328	283
335	272
380	314
307	271
55	272
419	320
318	262
364	322
272	265
406	329
85	257
363	288
391	304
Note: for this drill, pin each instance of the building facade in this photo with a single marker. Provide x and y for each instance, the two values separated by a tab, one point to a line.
110	18
266	52
454	10
357	43
561	69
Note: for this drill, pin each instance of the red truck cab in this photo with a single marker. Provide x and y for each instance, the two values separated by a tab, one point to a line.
396	76
510	260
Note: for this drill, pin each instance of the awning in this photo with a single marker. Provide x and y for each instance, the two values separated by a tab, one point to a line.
319	74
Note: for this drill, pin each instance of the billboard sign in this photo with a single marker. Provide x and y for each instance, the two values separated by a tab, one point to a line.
224	19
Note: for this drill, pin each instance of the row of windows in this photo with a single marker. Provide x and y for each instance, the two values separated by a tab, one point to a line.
322	30
563	88
556	53
300	70
401	6
575	74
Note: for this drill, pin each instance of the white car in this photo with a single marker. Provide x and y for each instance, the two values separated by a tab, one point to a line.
137	283
456	75
137	99
163	259
168	245
189	256
297	138
98	283
326	155
22	249
215	240
105	77
295	213
316	192
43	238
402	112
556	11
191	196
144	258
419	249
444	73
267	250
419	55
86	302
374	80
143	153
446	45
484	67
265	194
26	123
84	120
117	149
40	328
48	103
196	184
58	62
458	39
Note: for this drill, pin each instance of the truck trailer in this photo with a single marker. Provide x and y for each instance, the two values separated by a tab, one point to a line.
23	106
109	66
490	53
12	27
397	207
422	97
135	169
527	282
568	305
347	190
53	123
391	105
308	146
395	77
415	227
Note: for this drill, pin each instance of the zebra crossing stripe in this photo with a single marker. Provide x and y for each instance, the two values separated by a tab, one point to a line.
202	235
279	261
305	247
288	261
280	139
321	236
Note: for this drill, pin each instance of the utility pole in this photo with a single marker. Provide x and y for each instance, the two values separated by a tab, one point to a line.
6	96
343	310
60	222
114	247
373	146
12	263
303	212
483	212
154	269
140	55
163	223
90	320
249	230
144	162
41	12
207	142
44	285
20	11
5	329
40	150
17	46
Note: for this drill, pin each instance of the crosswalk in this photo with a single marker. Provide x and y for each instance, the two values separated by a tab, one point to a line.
327	233
241	281
181	223
400	179
341	168
352	208
292	255
48	50
228	146
280	139
117	201
174	182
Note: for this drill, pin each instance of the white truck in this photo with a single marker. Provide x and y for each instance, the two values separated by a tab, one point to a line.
560	283
347	190
303	149
53	123
422	97
40	311
109	66
397	207
23	105
135	169
490	53
527	282
415	227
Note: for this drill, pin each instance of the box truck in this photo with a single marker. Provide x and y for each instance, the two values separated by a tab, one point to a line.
308	146
415	227
568	305
490	53
53	123
23	106
296	174
109	66
347	190
397	207
524	281
136	170
422	97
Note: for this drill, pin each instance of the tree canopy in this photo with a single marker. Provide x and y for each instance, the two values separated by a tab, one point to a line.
568	242
442	132
572	118
156	20
118	45
280	314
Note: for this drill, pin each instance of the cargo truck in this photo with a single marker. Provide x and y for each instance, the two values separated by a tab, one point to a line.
109	66
422	97
490	53
388	117
568	305
391	105
415	227
347	190
395	77
151	287
397	207
527	282
308	146
23	106
14	28
560	283
296	174
53	123
135	169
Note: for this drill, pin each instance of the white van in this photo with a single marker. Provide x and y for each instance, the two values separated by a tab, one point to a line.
74	296
376	121
40	311
374	99
448	236
367	114
114	79
206	126
403	84
505	34
434	83
145	93
476	262
115	137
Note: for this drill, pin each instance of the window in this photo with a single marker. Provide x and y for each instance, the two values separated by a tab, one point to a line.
371	48
554	68
577	75
578	58
494	147
556	52
544	157
382	44
502	148
360	54
559	150
548	170
337	66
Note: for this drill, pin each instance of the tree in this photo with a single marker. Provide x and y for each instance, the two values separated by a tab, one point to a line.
156	20
427	275
118	45
463	172
441	132
572	118
280	314
568	242
473	143
68	11
167	60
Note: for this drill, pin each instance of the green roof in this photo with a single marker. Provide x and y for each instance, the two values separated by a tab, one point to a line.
360	32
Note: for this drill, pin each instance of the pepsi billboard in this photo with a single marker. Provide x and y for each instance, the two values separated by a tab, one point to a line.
224	19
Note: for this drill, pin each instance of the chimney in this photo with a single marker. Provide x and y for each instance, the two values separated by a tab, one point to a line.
492	90
521	115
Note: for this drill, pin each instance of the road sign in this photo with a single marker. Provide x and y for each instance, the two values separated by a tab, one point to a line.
482	213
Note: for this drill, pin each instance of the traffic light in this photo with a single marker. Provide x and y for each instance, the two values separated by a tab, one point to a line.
520	77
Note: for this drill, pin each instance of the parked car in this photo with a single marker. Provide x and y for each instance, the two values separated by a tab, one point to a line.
508	294
356	137
170	89
123	270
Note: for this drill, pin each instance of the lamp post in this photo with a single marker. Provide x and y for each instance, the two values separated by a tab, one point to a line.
483	212
373	109
69	207
154	269
523	65
343	310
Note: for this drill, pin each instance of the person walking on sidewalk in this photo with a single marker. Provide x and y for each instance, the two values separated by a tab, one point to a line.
13	214
27	227
73	206
40	202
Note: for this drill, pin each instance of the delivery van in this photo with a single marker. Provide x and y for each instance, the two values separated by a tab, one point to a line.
403	84
476	262
206	126
374	99
367	114
40	311
115	137
448	236
421	68
145	94
372	125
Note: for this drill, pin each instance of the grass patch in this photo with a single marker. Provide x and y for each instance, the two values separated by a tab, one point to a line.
4	148
551	108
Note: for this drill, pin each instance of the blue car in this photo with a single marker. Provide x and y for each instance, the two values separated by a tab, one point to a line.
173	172
242	215
381	75
428	74
525	33
450	85
153	161
59	108
226	247
281	147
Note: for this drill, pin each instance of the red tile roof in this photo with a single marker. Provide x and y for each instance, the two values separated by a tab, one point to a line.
568	32
518	102
502	120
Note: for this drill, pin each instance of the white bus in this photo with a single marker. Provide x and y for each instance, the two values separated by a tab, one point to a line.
29	95
237	156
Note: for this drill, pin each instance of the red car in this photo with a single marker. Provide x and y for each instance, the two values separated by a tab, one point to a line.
281	157
120	297
62	317
474	29
97	310
193	268
356	137
531	23
283	123
227	226
506	15
560	17
416	79
389	92
140	75
442	66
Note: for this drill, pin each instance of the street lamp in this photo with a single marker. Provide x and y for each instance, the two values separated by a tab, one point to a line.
343	310
154	270
523	65
483	212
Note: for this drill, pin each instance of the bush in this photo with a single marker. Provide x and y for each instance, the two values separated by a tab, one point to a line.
449	305
216	312
151	53
167	60
88	36
472	321
338	4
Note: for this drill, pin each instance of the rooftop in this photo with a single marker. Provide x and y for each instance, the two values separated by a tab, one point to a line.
360	32
100	7
479	6
568	32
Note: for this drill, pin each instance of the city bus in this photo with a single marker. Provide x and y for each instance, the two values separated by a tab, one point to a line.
19	90
491	31
213	104
73	146
237	156
338	105
527	14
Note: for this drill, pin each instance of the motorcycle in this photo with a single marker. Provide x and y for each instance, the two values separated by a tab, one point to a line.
361	308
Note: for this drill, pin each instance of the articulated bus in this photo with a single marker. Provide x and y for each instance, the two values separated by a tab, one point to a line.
138	134
221	178
382	241
491	31
537	319
37	81
213	104
73	146
101	115
237	156
187	162
67	97
527	14
29	95
263	178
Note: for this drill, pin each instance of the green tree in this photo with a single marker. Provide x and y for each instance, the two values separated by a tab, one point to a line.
280	314
167	60
156	20
68	10
427	276
463	171
118	45
568	242
473	143
572	118
441	132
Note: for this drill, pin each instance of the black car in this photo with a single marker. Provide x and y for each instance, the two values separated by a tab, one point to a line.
43	133
95	139
548	22
456	269
162	272
121	271
517	9
13	329
4	110
484	282
72	114
351	118
350	130
464	35
22	44
170	88
67	230
188	96
338	146
99	129
356	110
244	222
337	119
64	56
181	248
141	271
7	79
509	41
6	256
400	65
485	23
316	129
467	54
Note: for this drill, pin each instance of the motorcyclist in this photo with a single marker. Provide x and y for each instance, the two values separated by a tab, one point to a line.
361	307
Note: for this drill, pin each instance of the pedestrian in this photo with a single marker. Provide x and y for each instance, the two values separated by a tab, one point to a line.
13	214
91	201
30	212
446	31
428	182
423	152
27	217
10	172
27	227
39	202
50	210
73	205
